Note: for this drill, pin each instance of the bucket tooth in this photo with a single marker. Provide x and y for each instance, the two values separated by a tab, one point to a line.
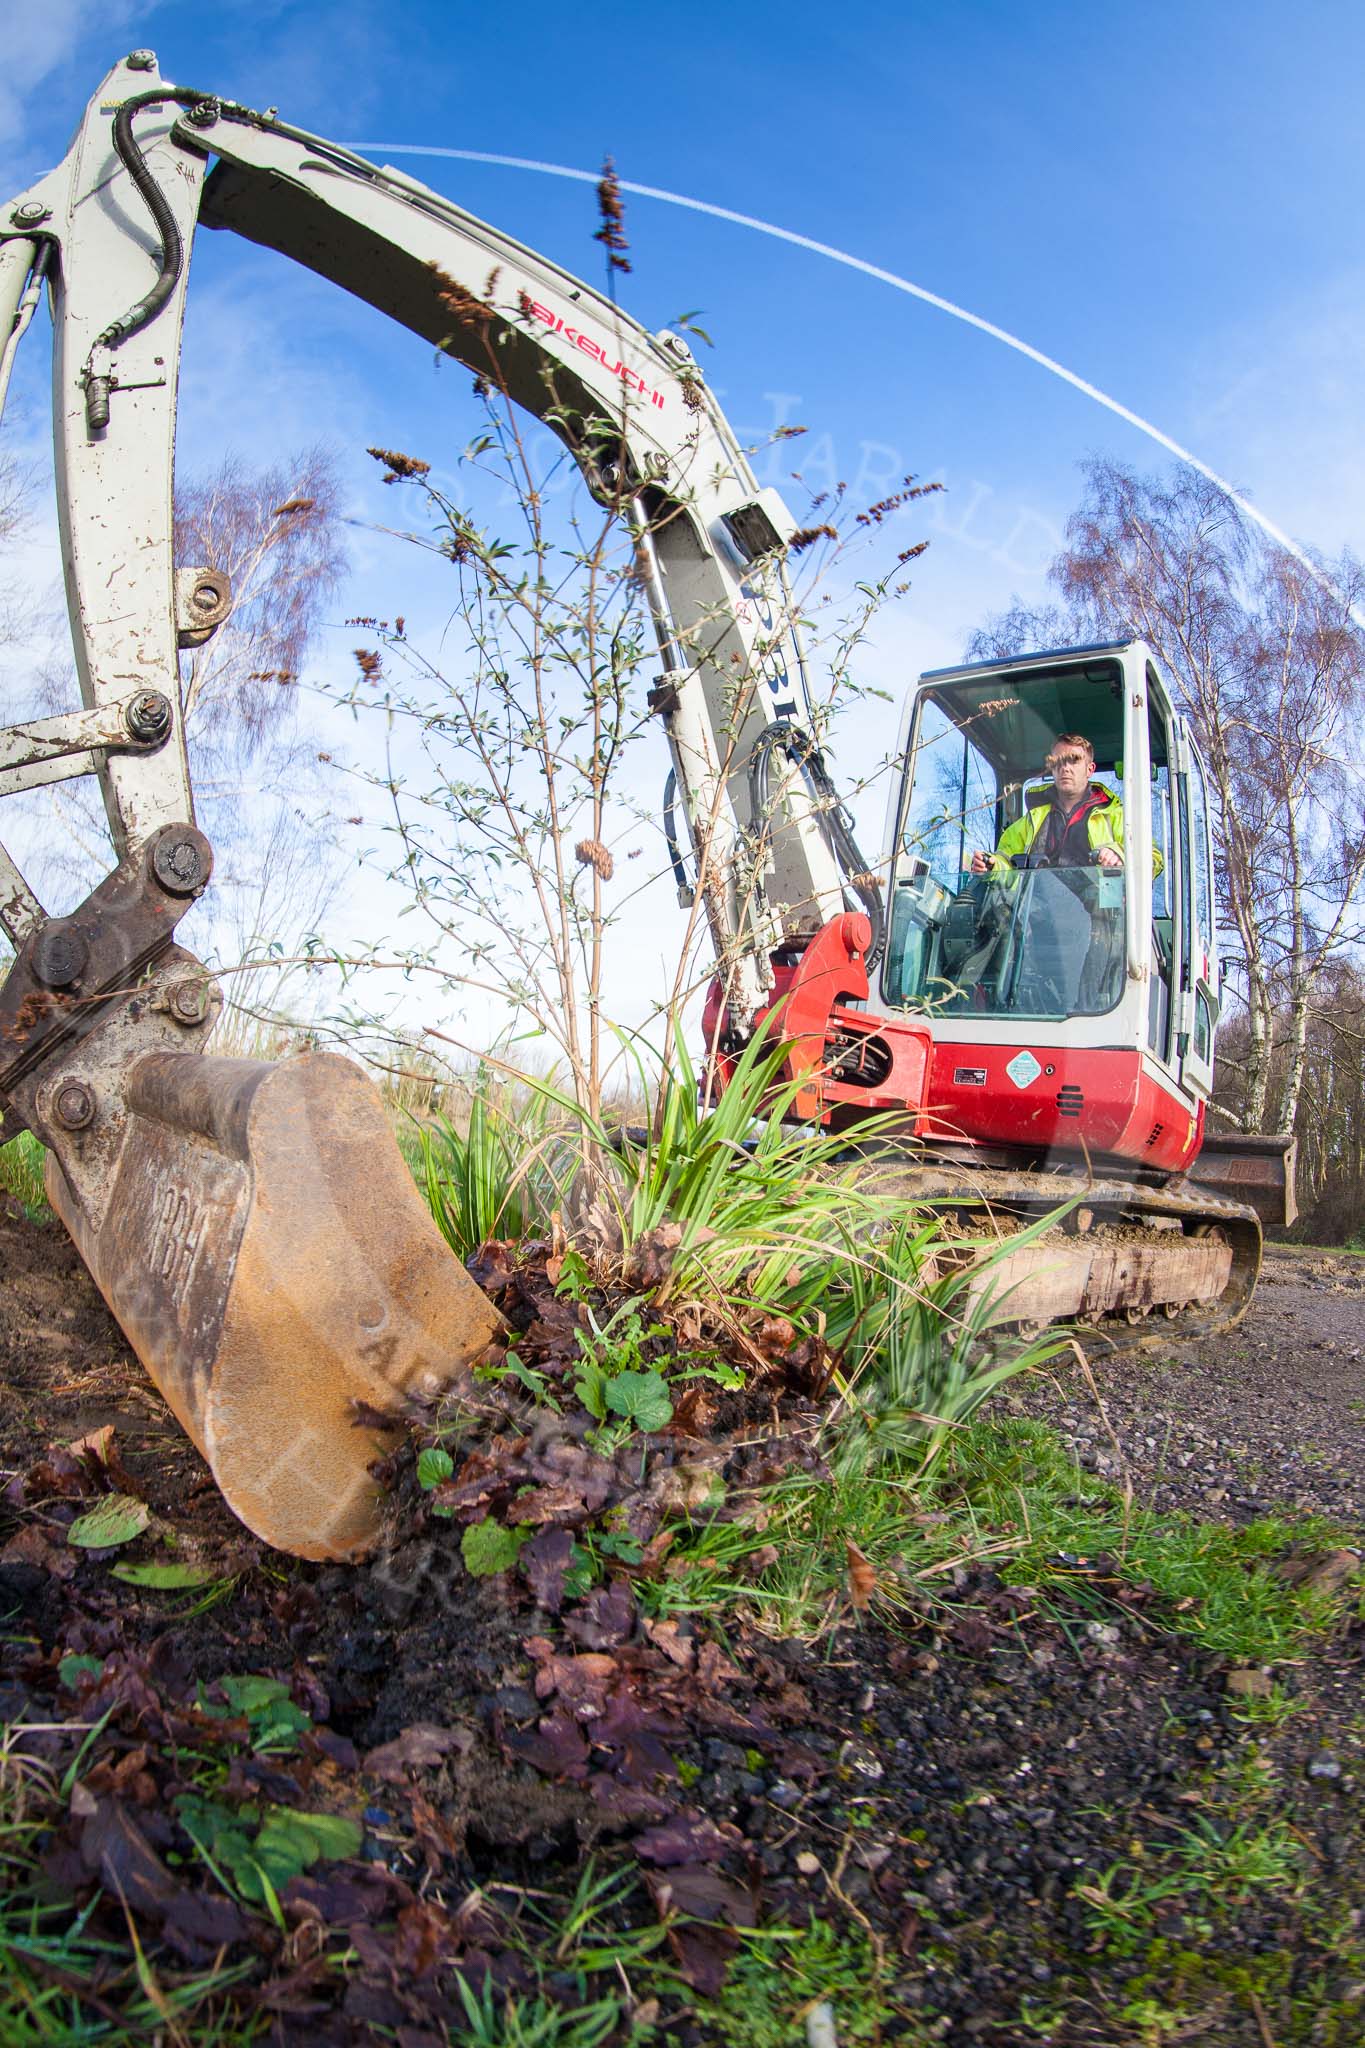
272	1264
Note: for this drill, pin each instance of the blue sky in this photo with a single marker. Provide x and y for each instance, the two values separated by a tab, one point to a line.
1163	198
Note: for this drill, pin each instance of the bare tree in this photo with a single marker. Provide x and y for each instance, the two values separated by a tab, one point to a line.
1269	663
1331	1119
276	534
17	484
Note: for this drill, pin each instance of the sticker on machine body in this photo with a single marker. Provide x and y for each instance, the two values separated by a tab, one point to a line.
969	1077
1023	1068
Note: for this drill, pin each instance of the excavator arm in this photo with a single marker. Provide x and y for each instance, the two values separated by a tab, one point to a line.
228	1209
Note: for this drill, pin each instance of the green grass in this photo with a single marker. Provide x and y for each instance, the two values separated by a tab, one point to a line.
1270	1711
1208	1871
1016	1481
780	1975
809	1523
919	1353
1005	1494
21	1175
63	1984
1292	1244
503	1175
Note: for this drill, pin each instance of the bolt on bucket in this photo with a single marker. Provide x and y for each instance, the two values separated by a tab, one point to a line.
272	1264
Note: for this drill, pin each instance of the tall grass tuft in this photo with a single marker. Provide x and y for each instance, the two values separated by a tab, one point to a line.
921	1356
766	1213
503	1174
769	1216
21	1175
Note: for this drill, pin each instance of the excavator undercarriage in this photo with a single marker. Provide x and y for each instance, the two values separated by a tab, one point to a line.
1119	1252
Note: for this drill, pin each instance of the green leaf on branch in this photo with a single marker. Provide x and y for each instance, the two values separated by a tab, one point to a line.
117	1519
642	1397
487	1548
686	323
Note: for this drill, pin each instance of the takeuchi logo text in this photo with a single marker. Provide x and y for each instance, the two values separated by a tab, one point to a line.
585	342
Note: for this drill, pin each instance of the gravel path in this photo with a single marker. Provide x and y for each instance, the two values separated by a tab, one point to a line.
1267	1418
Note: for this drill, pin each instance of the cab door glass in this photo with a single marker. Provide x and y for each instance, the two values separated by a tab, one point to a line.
1205	961
949	809
1040	933
1163	907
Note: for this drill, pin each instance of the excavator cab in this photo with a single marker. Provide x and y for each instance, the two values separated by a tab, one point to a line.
1041	935
1083	958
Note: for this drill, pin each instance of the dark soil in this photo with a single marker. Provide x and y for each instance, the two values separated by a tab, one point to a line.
947	1787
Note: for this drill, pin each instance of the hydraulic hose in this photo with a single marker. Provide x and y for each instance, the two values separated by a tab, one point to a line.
686	893
98	378
800	748
172	243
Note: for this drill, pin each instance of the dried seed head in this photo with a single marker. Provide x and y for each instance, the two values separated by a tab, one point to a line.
369	664
465	306
808	536
293	505
592	854
399	465
612	233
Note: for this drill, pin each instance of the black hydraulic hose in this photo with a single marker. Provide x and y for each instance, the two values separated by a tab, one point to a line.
800	747
172	243
685	889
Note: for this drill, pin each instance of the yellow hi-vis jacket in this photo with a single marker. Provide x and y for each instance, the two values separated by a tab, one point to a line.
1103	827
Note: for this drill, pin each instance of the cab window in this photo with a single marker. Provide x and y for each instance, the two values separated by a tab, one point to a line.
1041	936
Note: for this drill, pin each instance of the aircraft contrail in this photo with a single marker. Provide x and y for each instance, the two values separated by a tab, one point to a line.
897	283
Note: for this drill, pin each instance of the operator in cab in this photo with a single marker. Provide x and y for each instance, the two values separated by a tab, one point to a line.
1081	821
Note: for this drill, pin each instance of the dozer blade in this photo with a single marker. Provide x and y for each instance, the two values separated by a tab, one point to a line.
274	1268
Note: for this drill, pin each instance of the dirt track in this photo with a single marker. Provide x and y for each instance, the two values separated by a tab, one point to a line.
1269	1417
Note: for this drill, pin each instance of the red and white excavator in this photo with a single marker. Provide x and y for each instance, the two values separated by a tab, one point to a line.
1046	1031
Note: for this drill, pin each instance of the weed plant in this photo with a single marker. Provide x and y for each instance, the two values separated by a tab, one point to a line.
21	1175
503	1175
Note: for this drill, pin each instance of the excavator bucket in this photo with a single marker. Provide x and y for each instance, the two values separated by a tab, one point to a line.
273	1266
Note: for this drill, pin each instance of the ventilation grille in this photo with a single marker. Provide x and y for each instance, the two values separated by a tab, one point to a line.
1157	1129
1070	1100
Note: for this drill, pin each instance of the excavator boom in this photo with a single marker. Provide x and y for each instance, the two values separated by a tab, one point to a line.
254	1228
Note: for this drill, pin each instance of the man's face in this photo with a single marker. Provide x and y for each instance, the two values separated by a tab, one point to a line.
1070	767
